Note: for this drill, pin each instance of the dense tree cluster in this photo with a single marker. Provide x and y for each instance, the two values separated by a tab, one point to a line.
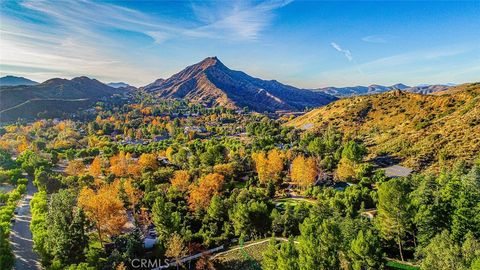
194	178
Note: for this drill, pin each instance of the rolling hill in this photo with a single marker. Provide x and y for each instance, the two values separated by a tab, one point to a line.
423	130
211	83
14	81
49	97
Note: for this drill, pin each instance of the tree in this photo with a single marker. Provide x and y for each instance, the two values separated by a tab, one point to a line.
287	256
6	255
354	151
95	169
66	239
119	164
319	244
394	216
365	252
176	249
75	167
148	161
251	218
269	166
164	217
104	209
201	194
441	254
181	180
346	170
270	256
134	194
304	171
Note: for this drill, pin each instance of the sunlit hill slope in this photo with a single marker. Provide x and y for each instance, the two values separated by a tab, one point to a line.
425	131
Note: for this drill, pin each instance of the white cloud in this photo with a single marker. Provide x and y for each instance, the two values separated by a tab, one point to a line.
378	38
347	53
72	38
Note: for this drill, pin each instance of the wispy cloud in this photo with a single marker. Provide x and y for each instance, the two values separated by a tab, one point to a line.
75	37
418	56
345	52
378	38
236	20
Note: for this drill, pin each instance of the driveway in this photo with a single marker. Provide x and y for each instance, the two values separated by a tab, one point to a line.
21	236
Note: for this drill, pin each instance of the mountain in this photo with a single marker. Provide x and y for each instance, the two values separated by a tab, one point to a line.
359	90
14	81
211	83
51	96
428	89
342	92
422	130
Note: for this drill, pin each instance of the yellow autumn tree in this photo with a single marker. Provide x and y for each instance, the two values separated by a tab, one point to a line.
201	194
180	180
75	167
346	170
104	209
148	161
304	171
269	166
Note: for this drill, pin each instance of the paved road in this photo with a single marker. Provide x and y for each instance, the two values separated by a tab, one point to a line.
21	236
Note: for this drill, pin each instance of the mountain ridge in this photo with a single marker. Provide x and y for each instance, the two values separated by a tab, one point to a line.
56	89
212	83
10	80
349	91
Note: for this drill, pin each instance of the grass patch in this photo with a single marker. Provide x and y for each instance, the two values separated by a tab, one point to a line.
235	260
393	265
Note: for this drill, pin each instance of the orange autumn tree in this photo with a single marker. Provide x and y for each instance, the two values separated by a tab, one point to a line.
269	166
201	194
304	171
119	164
122	165
180	180
104	209
95	169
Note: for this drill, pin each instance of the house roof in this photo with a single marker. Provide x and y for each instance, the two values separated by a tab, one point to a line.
397	171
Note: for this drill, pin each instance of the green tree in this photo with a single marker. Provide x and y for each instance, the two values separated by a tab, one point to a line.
6	255
319	244
394	215
270	256
365	251
441	254
166	220
287	256
66	225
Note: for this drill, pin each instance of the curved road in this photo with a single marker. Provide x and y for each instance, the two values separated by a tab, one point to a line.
21	236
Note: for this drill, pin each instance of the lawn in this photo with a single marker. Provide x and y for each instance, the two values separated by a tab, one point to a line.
237	260
393	265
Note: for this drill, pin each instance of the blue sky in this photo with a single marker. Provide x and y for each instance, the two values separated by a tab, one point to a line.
304	43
